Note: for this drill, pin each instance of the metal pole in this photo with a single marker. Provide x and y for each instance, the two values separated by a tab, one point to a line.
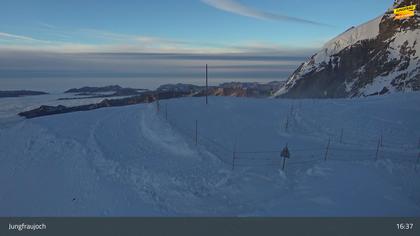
207	85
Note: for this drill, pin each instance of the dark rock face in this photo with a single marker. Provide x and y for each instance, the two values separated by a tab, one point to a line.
20	93
386	63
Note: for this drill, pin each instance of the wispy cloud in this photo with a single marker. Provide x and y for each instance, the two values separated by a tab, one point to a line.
243	10
99	41
96	41
46	25
13	37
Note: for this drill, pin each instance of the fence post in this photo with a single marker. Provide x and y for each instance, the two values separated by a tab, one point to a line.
196	132
291	109
327	149
166	111
341	135
381	139
157	106
234	155
377	149
233	160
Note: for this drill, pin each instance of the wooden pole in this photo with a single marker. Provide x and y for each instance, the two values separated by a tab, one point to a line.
207	85
327	149
196	132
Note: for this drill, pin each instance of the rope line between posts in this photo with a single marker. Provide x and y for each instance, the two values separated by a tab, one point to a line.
383	151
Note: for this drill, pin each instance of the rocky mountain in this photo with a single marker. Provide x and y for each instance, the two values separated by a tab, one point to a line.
110	88
378	57
166	91
20	93
180	87
101	92
235	89
106	91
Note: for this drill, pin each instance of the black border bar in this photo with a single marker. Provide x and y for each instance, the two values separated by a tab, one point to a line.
215	226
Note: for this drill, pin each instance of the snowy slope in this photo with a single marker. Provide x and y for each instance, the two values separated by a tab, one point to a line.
131	161
368	30
378	57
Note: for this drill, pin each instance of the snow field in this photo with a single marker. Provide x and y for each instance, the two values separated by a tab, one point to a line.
131	160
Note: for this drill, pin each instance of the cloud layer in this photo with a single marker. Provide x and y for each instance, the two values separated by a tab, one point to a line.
52	71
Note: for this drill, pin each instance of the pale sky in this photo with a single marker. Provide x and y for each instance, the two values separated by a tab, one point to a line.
264	39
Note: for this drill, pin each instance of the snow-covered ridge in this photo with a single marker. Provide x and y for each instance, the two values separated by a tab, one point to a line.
368	30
